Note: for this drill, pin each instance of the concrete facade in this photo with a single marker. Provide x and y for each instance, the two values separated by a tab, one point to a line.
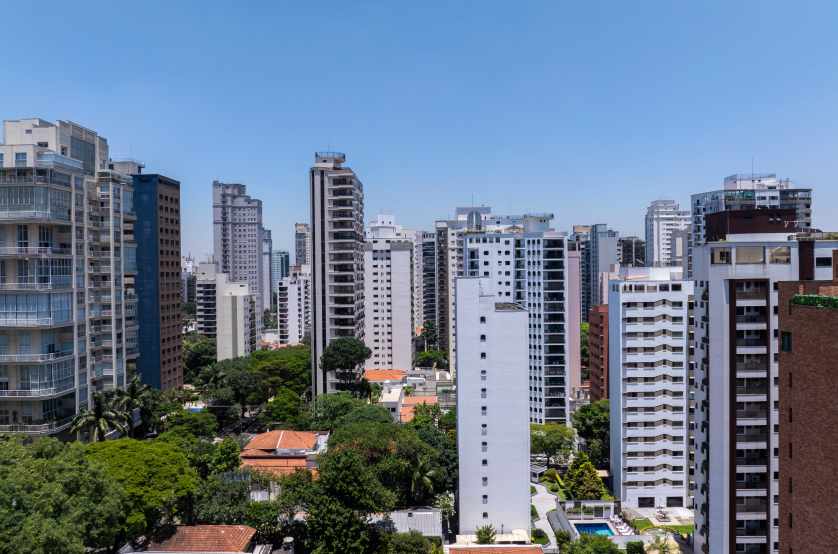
649	334
238	236
292	307
429	295
239	319
737	440
662	218
337	235
68	256
389	296
492	410
302	244
599	251
268	285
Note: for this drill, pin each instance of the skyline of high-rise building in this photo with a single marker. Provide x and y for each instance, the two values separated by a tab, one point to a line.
337	274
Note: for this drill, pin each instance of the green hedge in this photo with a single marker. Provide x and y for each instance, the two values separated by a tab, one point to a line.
533	512
635	547
816	300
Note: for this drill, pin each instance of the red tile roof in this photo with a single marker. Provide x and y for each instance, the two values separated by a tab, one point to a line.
202	538
410	401
284	440
384	374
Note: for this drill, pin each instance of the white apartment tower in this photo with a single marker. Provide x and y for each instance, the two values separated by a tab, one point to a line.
68	259
267	277
492	410
662	218
736	392
530	266
238	235
292	307
206	306
302	244
649	372
389	296
337	289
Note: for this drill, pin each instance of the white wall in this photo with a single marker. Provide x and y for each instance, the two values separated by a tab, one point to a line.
499	383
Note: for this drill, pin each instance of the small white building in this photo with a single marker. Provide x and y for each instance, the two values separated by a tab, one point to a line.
649	337
492	410
662	218
389	296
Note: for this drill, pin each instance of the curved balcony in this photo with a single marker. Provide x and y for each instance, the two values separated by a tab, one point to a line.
35	430
13	358
34	251
41	393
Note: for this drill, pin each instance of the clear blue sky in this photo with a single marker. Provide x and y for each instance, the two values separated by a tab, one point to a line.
586	109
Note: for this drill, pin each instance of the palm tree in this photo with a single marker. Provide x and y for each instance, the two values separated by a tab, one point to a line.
210	377
102	417
429	334
661	545
132	397
422	473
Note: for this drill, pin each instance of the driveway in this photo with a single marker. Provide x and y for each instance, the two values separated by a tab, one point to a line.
544	502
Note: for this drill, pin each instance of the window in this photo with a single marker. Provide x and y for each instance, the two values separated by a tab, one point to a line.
482	355
747	220
20	159
750	255
482	319
720	255
485	515
483	391
779	254
785	341
485	497
823	262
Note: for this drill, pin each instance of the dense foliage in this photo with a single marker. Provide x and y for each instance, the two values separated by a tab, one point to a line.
591	544
551	439
592	423
582	480
430	357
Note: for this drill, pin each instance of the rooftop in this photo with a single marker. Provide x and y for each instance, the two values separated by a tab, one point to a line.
507	306
202	538
284	440
384	374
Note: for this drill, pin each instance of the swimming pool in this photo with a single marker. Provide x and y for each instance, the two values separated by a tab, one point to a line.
594	528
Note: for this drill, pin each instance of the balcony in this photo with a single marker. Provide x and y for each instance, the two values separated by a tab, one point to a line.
752	389
751	295
751	414
37	393
34	357
750	509
35	430
34	250
751	342
50	159
751	485
751	438
751	461
750	319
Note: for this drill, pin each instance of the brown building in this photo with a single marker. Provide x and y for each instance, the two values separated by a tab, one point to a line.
743	222
598	352
808	414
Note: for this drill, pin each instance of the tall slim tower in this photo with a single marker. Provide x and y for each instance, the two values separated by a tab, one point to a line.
662	218
302	244
267	282
237	234
337	240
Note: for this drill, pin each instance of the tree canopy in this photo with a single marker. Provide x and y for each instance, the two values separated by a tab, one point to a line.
328	408
368	413
155	475
592	422
54	499
582	480
344	353
200	424
585	348
288	367
219	501
198	354
591	544
430	357
551	439
285	409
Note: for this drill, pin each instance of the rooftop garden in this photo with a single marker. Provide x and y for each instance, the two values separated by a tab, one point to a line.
816	300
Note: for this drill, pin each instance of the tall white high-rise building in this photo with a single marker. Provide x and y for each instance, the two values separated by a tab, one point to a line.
649	383
492	410
530	266
68	260
389	294
662	218
267	278
280	267
302	244
293	306
337	238
238	236
737	390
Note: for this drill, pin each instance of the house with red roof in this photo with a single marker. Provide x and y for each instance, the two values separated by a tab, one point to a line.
184	539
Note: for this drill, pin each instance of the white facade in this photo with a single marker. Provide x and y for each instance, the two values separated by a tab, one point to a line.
337	290
662	218
532	268
649	343
389	296
267	249
492	410
293	307
238	237
737	439
747	192
206	309
68	256
240	319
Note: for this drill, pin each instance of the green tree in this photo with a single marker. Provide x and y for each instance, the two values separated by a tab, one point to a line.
582	480
102	417
635	547
263	516
200	424
285	408
486	534
328	408
190	308
411	542
431	357
240	380
288	367
226	456
422	473
429	334
551	439
563	538
425	415
155	475
448	421
198	354
344	356
445	502
53	499
585	347
592	421
597	453
133	396
368	413
447	456
219	501
591	544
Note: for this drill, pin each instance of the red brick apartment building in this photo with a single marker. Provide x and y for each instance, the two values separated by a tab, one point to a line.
598	352
808	415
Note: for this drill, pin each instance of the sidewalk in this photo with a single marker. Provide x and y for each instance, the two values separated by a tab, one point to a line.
544	502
